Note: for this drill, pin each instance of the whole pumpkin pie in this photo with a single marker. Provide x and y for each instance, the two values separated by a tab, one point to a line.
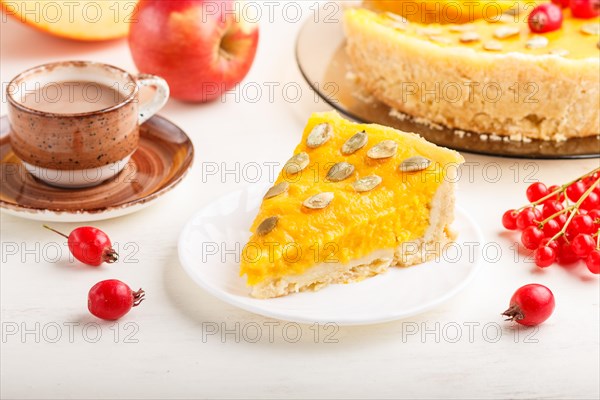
483	74
353	200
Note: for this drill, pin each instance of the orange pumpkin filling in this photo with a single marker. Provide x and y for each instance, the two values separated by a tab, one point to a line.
354	223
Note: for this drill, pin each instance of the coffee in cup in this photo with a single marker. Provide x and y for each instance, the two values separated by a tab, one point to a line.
76	123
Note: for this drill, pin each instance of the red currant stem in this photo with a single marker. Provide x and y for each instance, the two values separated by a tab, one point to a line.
559	190
598	240
575	209
138	297
55	231
513	313
556	214
110	255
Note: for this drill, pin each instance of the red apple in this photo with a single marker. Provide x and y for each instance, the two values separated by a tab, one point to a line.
201	48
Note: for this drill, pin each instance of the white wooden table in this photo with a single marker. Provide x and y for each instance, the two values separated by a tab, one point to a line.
183	343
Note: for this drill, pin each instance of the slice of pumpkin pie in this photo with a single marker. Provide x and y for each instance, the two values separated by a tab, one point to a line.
353	200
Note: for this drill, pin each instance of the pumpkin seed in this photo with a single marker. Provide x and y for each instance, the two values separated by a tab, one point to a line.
440	39
492	45
267	226
319	135
413	164
318	201
396	17
469	37
428	31
462	28
385	149
276	190
367	183
506	18
517	10
396	21
355	143
591	29
297	163
340	171
537	42
506	32
397	25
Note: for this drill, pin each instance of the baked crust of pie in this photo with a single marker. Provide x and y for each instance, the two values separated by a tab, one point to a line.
538	93
438	235
404	220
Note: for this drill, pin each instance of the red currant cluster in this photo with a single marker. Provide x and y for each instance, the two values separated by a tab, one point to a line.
562	223
548	17
110	299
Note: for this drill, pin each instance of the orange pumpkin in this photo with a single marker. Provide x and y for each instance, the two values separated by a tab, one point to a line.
87	20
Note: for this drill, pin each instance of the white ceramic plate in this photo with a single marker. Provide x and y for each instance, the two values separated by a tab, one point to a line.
209	250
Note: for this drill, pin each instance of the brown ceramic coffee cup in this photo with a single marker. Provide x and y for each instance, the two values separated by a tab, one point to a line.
76	123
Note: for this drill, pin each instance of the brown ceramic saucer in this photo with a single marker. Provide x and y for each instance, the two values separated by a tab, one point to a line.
164	156
326	67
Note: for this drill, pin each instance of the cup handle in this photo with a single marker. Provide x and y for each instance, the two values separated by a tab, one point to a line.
151	107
